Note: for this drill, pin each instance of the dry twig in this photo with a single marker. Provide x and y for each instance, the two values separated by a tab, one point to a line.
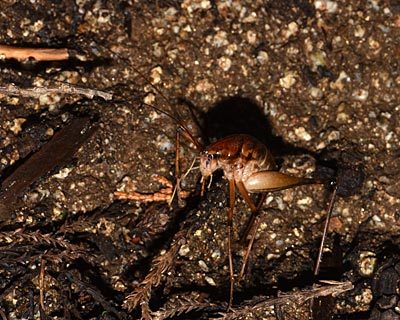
39	54
95	293
12	238
333	288
161	265
64	88
185	305
163	195
3	315
296	297
41	285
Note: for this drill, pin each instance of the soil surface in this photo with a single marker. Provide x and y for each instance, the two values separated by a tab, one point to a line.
316	81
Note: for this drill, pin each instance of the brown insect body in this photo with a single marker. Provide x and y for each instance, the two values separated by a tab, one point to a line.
238	155
244	159
250	168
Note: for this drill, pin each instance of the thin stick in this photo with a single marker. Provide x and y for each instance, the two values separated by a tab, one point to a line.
39	54
3	315
64	88
160	266
327	288
328	218
41	283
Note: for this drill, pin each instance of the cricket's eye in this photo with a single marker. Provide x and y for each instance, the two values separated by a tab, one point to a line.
209	160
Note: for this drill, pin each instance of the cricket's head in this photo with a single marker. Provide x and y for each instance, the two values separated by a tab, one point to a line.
208	164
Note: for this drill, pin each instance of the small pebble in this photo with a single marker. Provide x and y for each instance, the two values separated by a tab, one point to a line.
203	266
326	5
367	263
184	250
251	37
288	80
224	63
262	57
210	281
302	134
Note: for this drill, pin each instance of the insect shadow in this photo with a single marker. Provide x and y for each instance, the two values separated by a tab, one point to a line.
241	115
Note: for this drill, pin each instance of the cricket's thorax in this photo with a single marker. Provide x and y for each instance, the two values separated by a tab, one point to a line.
238	156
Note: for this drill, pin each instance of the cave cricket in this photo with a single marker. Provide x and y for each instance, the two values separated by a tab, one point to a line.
249	167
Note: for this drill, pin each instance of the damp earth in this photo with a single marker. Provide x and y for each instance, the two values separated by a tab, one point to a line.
316	81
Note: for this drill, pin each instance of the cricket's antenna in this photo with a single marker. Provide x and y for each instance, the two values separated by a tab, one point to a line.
328	218
182	127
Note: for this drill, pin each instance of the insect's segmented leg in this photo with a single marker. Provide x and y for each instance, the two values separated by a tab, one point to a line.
181	131
248	250
326	226
263	181
254	210
245	194
177	149
177	187
230	222
253	217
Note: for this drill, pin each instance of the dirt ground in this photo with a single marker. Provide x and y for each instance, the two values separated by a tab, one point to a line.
316	81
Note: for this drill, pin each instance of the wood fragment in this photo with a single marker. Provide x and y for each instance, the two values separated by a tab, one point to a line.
39	54
57	152
64	88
